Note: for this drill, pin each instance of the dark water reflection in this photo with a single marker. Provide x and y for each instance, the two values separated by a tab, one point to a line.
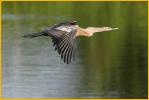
108	65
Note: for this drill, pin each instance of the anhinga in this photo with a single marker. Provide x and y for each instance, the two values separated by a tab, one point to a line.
63	37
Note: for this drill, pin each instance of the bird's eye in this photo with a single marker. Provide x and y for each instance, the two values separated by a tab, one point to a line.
72	23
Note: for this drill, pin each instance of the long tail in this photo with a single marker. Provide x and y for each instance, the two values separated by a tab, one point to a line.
33	35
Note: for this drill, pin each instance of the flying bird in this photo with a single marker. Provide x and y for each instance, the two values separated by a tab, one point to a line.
64	34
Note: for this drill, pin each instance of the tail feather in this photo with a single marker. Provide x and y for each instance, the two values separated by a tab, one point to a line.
33	35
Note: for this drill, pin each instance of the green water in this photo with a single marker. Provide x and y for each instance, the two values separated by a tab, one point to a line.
107	65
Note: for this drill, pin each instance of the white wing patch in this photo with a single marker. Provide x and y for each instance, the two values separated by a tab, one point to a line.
64	28
67	29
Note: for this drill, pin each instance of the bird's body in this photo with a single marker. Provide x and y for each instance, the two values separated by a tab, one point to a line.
63	37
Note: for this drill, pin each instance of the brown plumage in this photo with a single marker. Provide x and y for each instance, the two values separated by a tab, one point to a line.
63	37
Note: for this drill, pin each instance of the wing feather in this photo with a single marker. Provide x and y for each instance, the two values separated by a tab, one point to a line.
66	52
64	45
64	49
69	53
73	53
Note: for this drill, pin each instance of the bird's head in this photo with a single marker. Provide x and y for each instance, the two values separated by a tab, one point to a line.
68	26
71	24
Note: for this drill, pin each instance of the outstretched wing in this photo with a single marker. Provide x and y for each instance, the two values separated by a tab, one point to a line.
64	43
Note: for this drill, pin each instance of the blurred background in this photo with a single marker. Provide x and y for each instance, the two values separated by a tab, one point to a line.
108	65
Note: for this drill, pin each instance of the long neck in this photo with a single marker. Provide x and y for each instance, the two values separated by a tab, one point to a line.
82	32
